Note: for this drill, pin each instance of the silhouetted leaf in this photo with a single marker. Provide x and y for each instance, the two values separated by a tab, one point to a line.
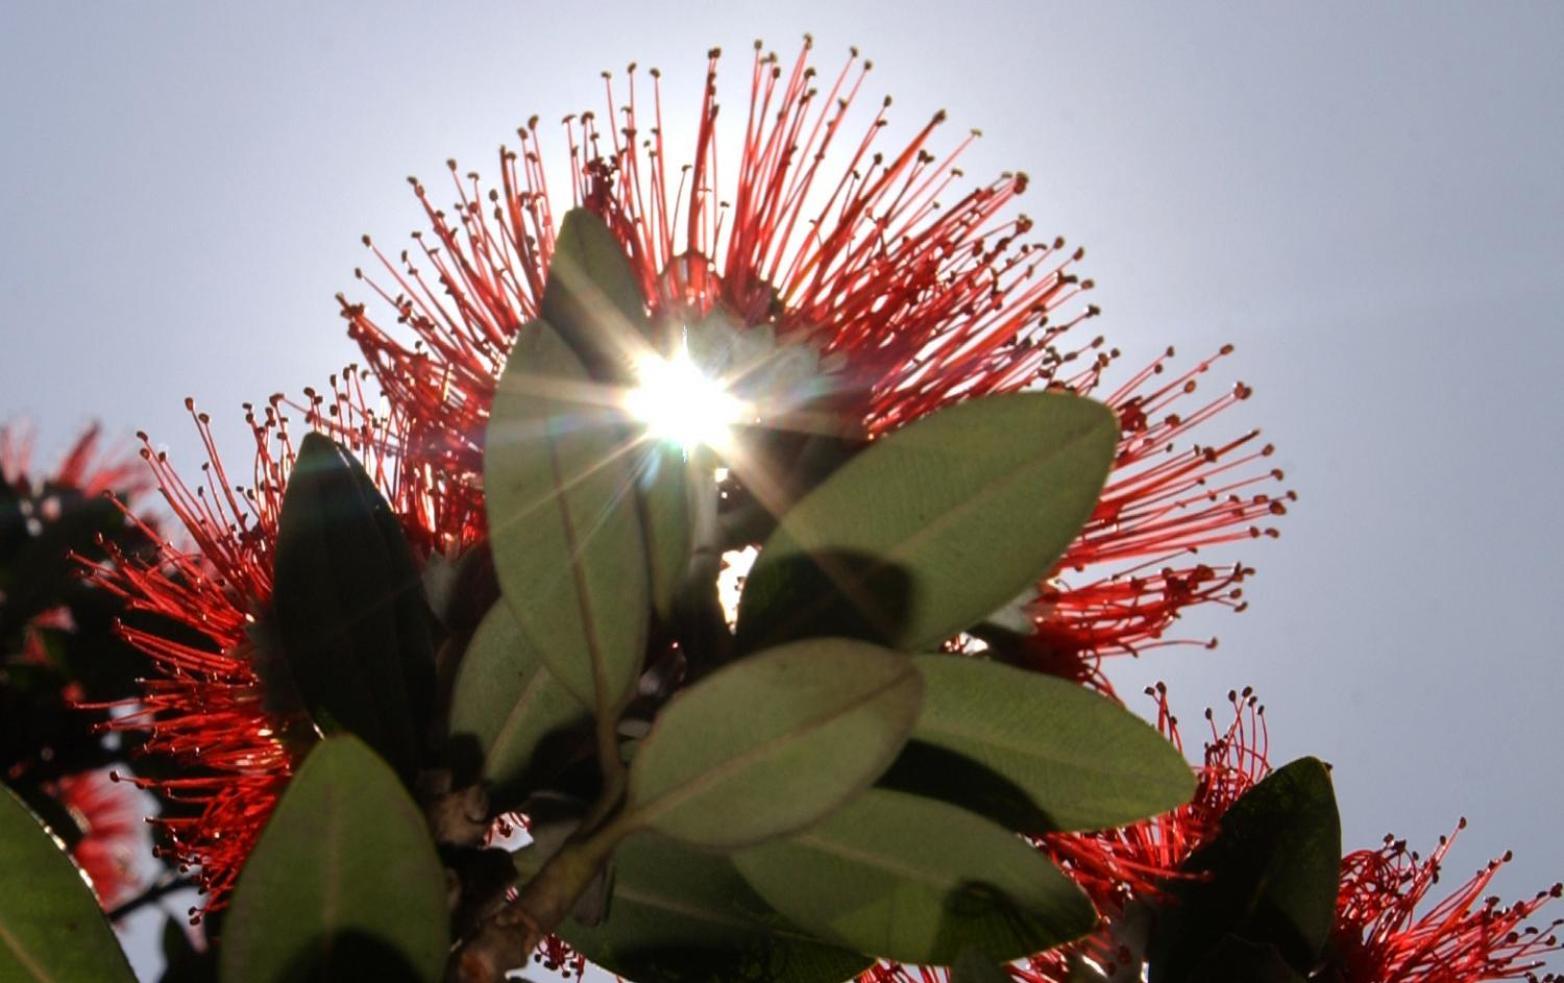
1272	875
350	617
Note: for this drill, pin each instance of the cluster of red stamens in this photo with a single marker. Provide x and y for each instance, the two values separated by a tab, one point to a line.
1380	935
206	706
915	302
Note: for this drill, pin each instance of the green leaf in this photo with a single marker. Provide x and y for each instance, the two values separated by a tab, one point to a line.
770	744
51	928
918	881
350	616
665	484
182	962
592	297
562	521
1274	870
1034	752
680	915
974	967
344	881
934	527
507	700
1236	961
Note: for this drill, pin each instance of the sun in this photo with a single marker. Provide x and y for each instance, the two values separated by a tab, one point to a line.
681	404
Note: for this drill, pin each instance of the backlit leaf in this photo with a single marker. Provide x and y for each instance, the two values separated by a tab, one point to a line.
935	526
1035	752
918	881
51	929
343	883
771	743
563	521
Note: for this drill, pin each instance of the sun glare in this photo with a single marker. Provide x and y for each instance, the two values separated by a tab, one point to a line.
681	404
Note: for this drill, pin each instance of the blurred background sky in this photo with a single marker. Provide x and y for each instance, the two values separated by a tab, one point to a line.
1367	199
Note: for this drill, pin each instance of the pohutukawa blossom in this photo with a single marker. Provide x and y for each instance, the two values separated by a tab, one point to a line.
1388	929
906	291
85	469
207	706
113	832
49	624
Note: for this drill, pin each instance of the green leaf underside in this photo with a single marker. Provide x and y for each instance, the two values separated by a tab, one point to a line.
974	967
562	521
592	297
509	701
771	743
51	928
349	609
1275	868
934	527
1033	752
343	883
664	485
681	915
918	881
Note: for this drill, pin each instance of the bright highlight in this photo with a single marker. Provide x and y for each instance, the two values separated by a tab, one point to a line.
680	403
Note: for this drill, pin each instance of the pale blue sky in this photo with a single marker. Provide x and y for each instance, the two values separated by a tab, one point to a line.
1367	200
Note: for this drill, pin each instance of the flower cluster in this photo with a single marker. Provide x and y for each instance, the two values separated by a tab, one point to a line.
1387	930
50	628
910	293
829	241
206	705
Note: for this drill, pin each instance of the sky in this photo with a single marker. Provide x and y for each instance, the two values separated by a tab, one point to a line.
1365	199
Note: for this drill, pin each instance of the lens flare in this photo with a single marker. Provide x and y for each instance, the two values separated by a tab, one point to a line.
681	404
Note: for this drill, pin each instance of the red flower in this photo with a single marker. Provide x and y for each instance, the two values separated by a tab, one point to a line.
85	469
206	707
915	294
1379	935
113	832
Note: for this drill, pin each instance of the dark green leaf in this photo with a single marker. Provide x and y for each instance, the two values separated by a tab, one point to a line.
770	744
562	521
974	967
918	881
350	617
51	929
593	299
933	528
1273	873
679	915
182	961
1034	752
344	882
1236	961
508	701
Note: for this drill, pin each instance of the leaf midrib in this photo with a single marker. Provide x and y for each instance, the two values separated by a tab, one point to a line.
600	696
23	957
705	781
929	529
